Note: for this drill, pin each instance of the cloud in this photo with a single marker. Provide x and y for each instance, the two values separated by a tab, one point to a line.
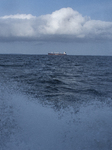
62	24
18	16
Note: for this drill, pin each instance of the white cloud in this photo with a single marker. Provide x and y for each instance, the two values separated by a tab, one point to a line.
18	16
63	23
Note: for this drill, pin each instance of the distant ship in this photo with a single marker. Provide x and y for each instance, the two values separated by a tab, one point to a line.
57	53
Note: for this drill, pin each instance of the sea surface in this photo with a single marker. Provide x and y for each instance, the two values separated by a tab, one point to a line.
55	102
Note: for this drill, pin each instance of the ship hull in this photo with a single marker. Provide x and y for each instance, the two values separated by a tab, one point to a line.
56	53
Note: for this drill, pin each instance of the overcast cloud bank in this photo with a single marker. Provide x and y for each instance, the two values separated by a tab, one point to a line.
61	24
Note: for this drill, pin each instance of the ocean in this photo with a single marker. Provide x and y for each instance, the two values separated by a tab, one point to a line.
55	102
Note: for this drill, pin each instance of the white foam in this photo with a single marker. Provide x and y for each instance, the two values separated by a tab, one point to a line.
31	126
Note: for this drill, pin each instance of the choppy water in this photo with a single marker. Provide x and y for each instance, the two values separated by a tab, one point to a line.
55	102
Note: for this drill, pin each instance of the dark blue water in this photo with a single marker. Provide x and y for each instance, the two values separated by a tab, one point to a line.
55	102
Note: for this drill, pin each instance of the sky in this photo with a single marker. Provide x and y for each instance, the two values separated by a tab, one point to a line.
78	27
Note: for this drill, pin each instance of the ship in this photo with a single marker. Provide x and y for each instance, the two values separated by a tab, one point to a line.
57	53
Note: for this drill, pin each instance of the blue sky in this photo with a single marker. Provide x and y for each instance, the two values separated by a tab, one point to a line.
79	27
96	9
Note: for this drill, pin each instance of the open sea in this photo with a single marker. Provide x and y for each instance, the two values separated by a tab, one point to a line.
55	102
